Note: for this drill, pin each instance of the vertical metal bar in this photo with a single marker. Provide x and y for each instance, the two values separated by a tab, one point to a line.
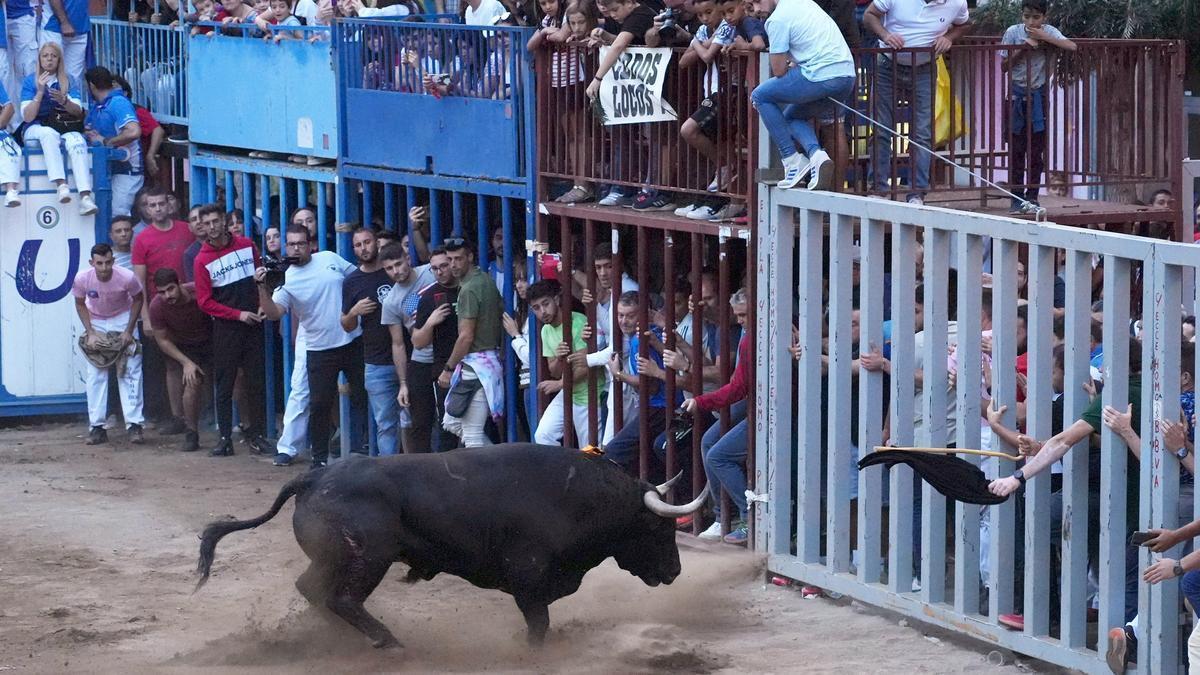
1038	396
589	264
1113	453
456	198
1159	489
435	218
870	401
570	434
1002	517
483	243
782	250
1076	364
669	343
511	376
389	207
934	405
900	511
841	282
809	414
644	383
969	258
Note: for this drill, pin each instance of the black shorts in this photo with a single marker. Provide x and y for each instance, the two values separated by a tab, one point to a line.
201	355
705	116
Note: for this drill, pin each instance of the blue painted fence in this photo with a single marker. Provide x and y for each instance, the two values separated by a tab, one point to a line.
256	94
152	58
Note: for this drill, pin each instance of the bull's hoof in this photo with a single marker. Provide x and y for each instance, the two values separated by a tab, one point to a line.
387	642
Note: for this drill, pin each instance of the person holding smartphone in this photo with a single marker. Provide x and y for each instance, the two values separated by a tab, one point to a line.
436	326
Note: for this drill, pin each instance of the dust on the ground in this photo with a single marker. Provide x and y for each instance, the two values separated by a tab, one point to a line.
98	549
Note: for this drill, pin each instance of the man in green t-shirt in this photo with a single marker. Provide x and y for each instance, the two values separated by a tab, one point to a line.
545	303
1043	455
479	388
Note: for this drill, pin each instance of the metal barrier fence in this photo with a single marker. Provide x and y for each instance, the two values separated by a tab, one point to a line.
484	90
573	145
1130	90
152	58
815	416
684	281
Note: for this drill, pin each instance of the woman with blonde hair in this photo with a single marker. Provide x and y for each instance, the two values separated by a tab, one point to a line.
52	107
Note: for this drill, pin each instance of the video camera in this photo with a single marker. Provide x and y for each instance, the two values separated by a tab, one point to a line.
276	268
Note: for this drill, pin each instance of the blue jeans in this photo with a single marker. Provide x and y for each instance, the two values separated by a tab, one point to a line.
382	389
787	105
919	81
725	459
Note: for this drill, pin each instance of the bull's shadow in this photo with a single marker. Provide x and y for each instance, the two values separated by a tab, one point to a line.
525	519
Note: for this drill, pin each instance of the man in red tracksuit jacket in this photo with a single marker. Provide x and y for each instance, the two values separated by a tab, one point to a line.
225	290
725	453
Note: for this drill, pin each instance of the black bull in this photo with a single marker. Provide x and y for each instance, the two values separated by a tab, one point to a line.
525	519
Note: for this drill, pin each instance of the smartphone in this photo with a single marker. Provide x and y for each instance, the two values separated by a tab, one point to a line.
1140	538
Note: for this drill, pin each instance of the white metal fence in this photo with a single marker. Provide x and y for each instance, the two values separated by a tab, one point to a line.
815	412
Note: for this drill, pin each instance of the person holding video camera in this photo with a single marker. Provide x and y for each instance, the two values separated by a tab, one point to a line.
224	277
312	292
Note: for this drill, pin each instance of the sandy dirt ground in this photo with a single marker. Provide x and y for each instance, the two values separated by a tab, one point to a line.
98	548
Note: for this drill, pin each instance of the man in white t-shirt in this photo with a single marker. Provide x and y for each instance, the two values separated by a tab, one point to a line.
312	293
811	67
483	12
909	25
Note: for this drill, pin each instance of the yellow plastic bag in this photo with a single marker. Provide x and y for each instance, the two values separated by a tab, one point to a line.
946	108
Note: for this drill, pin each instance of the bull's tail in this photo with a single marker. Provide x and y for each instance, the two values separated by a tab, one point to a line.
213	532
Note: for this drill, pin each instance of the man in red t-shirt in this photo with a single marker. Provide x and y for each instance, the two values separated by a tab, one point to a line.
159	246
184	334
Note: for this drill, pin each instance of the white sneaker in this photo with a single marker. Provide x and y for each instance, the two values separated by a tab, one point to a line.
713	533
683	211
723	178
12	198
257	154
703	212
916	199
820	169
317	161
87	205
795	168
728	213
64	194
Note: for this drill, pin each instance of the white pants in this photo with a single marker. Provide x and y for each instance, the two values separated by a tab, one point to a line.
130	383
470	426
124	188
550	426
1193	650
52	143
11	85
74	52
10	159
22	48
630	410
295	413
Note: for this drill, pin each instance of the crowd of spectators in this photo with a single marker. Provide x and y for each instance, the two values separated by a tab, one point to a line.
417	327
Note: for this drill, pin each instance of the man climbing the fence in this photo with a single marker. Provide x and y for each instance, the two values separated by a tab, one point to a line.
811	67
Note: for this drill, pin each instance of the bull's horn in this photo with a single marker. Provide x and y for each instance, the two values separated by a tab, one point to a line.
655	503
662	489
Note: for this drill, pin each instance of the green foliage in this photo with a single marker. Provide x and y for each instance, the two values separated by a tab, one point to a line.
1100	18
1146	19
